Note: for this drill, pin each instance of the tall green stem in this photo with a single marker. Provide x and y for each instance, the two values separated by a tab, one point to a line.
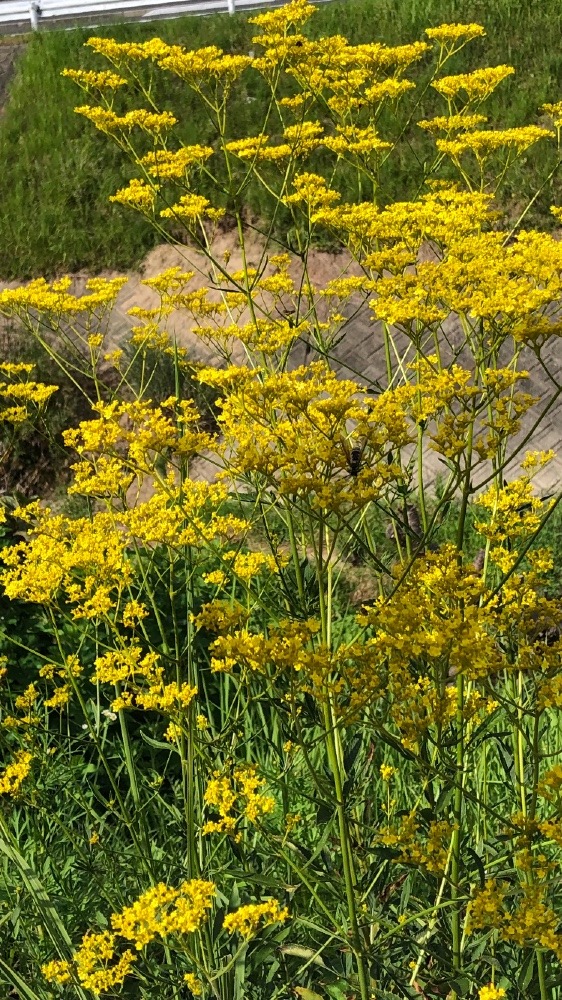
457	813
346	852
334	761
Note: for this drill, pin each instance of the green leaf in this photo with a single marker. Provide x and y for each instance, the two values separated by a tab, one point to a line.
23	991
526	972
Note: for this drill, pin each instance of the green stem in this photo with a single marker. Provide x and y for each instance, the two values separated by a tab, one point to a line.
295	557
457	813
542	975
347	856
336	770
459	770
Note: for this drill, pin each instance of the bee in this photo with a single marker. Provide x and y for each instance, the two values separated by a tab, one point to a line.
354	459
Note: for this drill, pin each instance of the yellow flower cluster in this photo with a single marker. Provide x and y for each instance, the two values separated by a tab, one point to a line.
199	67
55	300
445	215
186	515
105	476
191	208
349	677
89	80
163	911
13	776
430	852
130	437
491	992
482	143
555	112
245	566
220	616
455	32
193	984
297	429
476	85
83	558
346	77
151	122
145	684
236	797
351	139
91	964
172	165
515	514
551	782
22	396
160	912
476	275
452	123
138	194
247	920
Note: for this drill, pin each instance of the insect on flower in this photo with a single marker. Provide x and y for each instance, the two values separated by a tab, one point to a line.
354	458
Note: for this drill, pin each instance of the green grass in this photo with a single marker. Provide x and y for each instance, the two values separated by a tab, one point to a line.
57	172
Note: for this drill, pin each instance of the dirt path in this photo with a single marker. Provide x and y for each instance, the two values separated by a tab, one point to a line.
9	54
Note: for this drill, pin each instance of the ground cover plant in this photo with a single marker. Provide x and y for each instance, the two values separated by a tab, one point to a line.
227	774
56	174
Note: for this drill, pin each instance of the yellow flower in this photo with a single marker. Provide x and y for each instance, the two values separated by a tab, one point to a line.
57	972
390	89
555	111
141	922
163	910
477	85
15	774
355	140
133	613
221	796
192	207
455	32
247	920
168	165
152	122
297	12
482	143
387	771
216	577
96	81
236	796
91	963
535	460
249	782
220	616
452	123
138	194
491	992
486	908
60	698
193	984
117	51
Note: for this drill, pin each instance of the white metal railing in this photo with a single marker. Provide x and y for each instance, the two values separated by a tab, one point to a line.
21	15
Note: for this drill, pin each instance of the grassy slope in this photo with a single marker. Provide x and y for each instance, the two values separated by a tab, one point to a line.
57	172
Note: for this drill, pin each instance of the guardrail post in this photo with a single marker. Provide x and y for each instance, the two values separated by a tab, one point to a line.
34	14
231	6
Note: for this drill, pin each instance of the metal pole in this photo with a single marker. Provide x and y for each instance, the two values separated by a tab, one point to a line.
34	15
231	6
